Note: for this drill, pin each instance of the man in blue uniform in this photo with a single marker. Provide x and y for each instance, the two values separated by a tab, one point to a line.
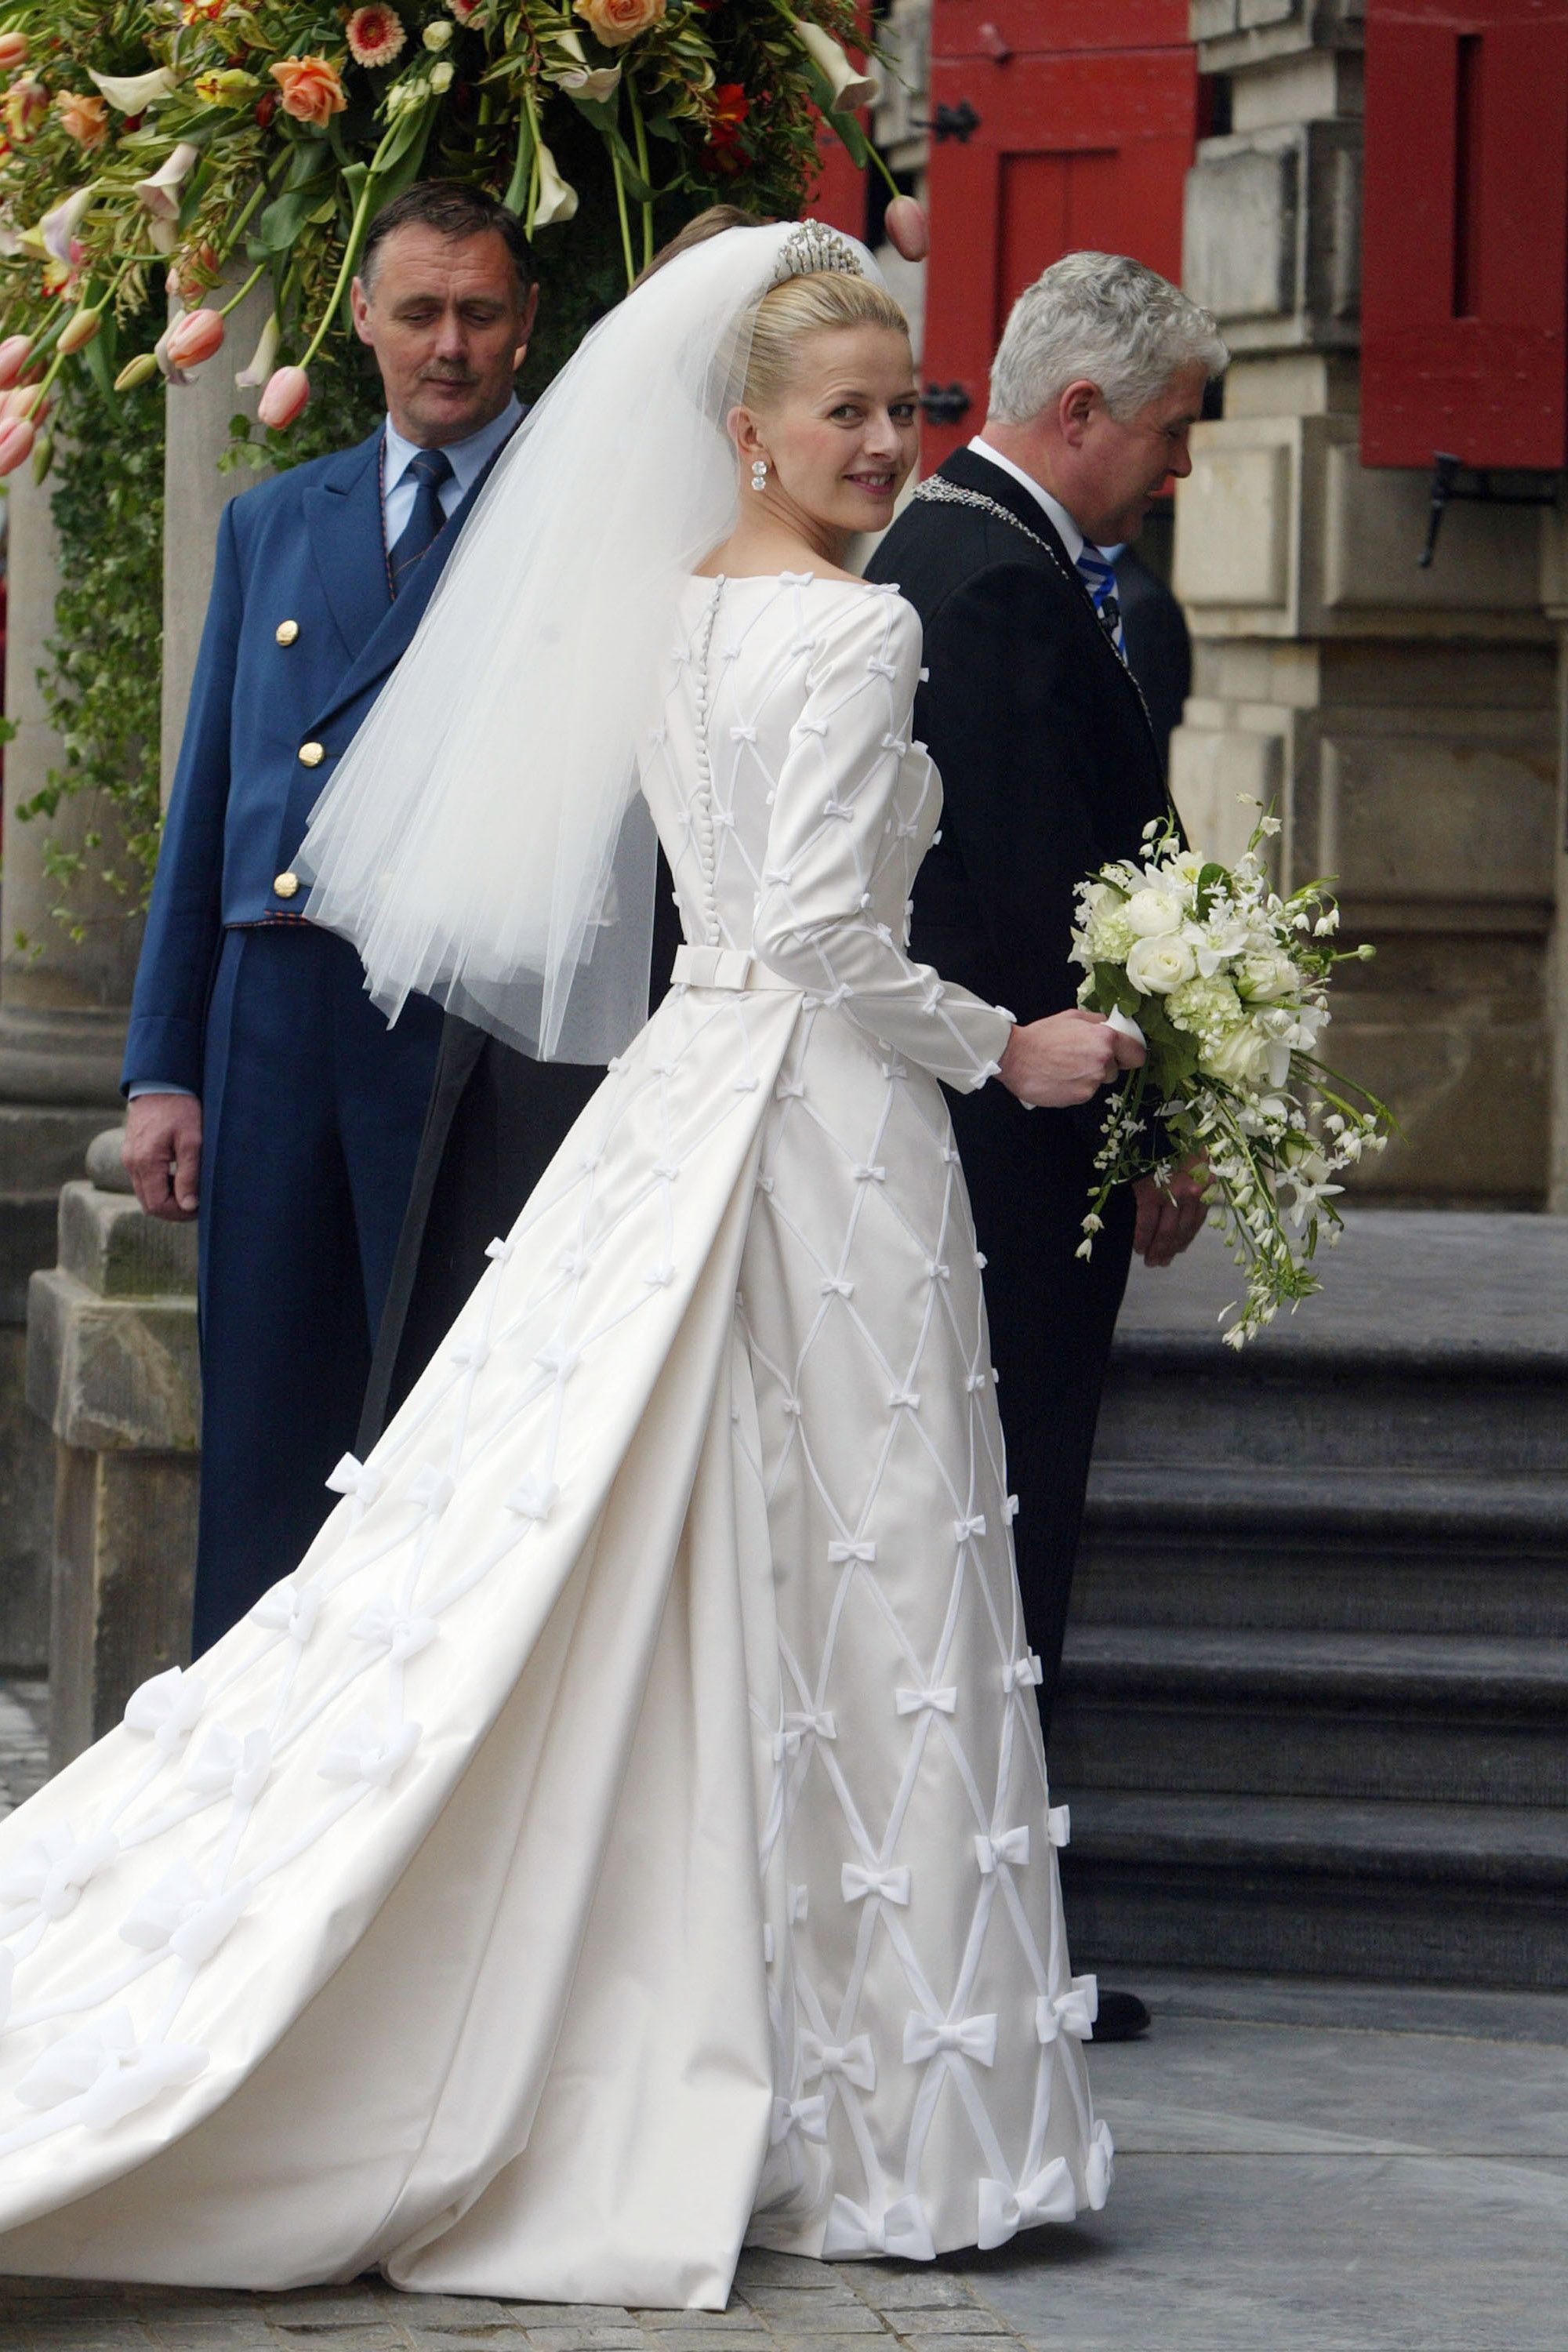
264	1085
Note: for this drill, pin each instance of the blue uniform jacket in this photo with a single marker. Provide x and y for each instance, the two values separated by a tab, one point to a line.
301	634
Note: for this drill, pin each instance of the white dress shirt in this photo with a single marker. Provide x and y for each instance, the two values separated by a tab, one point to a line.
468	460
1068	531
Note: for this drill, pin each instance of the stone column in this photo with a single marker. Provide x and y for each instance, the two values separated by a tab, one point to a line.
62	1016
195	496
112	1366
112	1371
1404	720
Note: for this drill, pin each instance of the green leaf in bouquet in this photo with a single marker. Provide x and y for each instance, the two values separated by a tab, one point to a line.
287	215
1210	878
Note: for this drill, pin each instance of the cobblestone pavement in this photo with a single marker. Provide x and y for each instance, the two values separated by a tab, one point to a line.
779	2301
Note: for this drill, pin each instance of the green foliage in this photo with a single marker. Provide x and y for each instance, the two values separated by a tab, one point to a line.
101	687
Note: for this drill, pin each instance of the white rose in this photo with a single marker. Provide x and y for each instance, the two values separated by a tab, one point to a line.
1152	912
1155	966
1240	1060
1267	978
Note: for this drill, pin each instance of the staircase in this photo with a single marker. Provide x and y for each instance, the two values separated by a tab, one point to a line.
1314	1708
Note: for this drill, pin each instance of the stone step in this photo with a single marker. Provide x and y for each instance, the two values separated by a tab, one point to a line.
1404	1717
1372	1550
1314	1885
1177	1399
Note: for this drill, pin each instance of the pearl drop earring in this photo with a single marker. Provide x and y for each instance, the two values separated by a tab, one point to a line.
759	473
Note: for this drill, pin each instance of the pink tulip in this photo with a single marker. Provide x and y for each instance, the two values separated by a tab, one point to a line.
193	338
12	51
287	391
18	406
14	353
906	226
16	438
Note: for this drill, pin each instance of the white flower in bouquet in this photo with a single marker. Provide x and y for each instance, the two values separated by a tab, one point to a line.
1152	912
1228	982
1268	976
1243	1060
1209	1009
1158	962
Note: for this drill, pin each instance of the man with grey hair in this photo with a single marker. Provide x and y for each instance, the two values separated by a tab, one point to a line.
1050	767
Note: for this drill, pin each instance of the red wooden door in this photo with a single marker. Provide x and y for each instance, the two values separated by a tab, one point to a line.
1465	237
1057	124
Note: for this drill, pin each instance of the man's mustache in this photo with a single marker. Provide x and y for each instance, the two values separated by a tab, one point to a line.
447	375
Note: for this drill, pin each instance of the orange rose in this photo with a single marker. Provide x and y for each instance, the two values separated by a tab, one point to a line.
616	21
310	87
85	120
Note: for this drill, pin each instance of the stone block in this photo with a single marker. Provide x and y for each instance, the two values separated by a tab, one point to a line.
1235	37
1216	769
1272	235
125	1535
107	1243
27	1514
1424	816
1449	1029
113	1374
1375	522
1234	510
1238	243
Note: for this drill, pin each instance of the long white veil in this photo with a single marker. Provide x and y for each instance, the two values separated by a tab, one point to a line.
483	840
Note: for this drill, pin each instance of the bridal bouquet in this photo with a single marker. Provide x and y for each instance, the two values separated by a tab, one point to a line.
1228	985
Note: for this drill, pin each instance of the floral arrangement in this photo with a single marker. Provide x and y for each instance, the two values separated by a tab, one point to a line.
202	140
1227	984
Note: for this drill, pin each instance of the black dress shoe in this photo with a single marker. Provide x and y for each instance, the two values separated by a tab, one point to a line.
1121	2017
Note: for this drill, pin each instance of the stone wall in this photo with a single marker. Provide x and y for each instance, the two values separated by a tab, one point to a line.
1404	721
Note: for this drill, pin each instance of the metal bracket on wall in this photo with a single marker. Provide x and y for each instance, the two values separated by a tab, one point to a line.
959	123
944	404
1448	483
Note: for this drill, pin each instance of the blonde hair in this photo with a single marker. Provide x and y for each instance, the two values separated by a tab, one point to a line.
816	303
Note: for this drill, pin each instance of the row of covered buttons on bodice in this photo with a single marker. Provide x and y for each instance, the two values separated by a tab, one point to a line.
702	804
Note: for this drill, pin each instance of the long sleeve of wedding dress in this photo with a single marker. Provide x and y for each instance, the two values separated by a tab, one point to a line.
626	1830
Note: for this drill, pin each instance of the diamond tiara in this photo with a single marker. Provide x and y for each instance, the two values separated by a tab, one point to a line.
813	247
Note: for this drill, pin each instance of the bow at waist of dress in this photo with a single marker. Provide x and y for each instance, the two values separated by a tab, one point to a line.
735	967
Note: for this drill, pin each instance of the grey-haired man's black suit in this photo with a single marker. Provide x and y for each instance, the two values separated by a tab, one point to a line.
1049	767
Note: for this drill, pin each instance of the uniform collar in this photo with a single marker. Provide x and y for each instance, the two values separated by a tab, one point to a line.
1066	530
468	459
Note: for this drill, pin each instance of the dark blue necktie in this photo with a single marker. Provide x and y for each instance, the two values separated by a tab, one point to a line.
1100	581
427	469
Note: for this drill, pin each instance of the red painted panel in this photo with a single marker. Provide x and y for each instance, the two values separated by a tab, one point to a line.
1464	237
967	28
1076	147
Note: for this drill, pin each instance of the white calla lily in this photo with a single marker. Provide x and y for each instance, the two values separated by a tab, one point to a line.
557	199
577	77
159	192
134	93
850	87
264	360
59	226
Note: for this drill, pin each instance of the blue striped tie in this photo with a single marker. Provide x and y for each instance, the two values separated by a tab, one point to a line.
427	469
1100	581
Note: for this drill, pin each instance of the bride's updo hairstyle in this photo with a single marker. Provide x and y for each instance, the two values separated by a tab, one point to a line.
818	302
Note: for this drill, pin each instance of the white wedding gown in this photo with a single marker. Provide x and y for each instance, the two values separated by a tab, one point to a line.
627	1835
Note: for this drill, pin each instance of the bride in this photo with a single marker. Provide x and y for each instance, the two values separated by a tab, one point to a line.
626	1836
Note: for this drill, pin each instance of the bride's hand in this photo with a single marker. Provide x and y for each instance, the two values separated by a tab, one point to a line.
1066	1059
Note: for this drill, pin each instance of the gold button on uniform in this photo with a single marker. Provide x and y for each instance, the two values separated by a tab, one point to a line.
285	884
286	631
311	755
